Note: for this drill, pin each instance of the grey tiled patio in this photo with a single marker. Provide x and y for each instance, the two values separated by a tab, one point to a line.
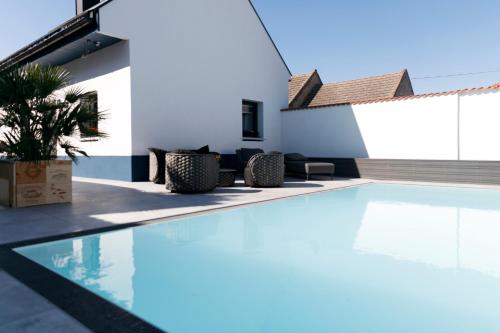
100	203
97	204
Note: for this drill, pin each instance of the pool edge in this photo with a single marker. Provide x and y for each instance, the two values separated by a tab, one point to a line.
92	311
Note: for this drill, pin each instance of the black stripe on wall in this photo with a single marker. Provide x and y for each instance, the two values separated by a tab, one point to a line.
140	168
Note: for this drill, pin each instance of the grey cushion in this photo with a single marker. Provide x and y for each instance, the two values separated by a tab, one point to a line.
295	157
311	168
317	168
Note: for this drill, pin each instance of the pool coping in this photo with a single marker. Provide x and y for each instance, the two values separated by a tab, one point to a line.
436	184
95	312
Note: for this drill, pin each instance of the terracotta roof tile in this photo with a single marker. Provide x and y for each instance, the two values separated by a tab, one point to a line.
383	86
402	98
296	83
436	94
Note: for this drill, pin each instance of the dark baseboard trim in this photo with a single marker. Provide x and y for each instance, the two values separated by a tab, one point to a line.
140	168
441	171
128	168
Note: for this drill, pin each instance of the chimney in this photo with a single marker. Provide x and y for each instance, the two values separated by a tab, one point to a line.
83	5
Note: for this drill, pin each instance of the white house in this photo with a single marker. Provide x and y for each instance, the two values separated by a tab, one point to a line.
182	74
169	74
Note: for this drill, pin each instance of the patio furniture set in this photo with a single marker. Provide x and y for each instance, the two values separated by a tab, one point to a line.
199	171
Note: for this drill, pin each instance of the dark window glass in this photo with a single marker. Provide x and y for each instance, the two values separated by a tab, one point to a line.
250	120
90	127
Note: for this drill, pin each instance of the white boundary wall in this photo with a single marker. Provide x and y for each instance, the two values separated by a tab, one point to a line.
480	127
462	126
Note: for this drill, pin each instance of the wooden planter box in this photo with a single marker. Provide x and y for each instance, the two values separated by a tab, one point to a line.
24	184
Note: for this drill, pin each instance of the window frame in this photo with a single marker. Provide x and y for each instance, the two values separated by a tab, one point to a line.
256	115
86	99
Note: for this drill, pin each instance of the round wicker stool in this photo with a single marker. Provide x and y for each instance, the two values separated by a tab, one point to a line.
227	177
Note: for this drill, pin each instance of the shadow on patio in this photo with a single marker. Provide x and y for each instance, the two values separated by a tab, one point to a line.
100	204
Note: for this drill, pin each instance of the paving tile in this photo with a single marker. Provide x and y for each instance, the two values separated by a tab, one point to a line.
22	310
52	321
8	216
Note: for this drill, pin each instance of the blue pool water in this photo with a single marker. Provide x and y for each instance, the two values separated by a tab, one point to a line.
374	258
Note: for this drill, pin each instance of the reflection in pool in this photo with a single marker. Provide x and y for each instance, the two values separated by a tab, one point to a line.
374	258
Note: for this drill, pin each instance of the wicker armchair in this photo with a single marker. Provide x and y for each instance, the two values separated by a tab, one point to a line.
244	155
265	170
157	165
191	173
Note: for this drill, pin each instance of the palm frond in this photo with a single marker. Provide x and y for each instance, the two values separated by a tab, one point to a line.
74	95
38	117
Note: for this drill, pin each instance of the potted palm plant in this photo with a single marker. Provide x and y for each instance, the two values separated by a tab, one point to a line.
40	114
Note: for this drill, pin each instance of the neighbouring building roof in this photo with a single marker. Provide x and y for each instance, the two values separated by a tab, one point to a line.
370	88
296	84
302	87
493	87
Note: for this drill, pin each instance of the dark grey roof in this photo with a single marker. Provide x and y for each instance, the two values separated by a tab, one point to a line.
77	28
71	30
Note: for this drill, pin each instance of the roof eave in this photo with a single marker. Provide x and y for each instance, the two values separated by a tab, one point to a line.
271	38
315	107
69	31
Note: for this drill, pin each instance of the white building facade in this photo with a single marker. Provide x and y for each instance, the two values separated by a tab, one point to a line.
172	75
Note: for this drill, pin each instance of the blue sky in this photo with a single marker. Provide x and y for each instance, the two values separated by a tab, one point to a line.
342	39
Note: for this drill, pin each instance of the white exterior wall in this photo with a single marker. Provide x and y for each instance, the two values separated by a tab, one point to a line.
480	126
192	63
419	128
410	129
108	73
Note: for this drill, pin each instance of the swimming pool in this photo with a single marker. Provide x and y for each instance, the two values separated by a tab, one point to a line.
373	258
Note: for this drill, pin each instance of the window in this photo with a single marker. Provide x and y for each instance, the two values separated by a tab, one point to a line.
251	120
92	125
